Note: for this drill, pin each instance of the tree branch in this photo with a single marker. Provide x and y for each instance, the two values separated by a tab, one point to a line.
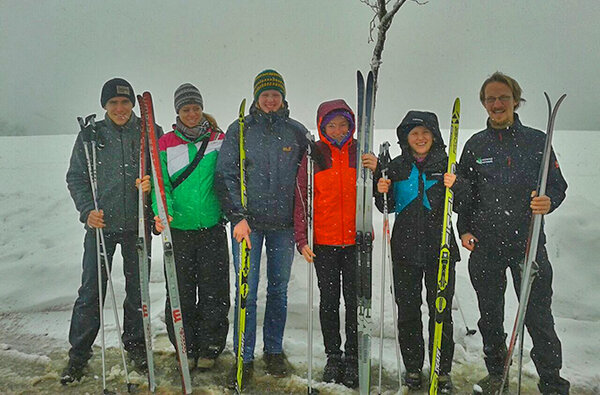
385	18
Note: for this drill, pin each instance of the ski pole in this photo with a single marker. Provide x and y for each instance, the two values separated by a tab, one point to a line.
102	255
383	163
384	159
86	138
310	234
106	265
469	331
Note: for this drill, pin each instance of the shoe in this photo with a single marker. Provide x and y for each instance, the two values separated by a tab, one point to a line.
555	385
204	364
276	365
350	379
247	373
205	359
413	380
137	357
334	369
445	385
490	385
72	372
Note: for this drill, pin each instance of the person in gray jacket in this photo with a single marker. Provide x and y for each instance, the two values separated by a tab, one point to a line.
274	145
118	152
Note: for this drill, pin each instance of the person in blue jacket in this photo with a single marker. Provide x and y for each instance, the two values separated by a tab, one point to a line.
416	190
274	145
501	165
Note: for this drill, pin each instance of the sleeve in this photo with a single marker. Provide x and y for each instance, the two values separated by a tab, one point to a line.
461	190
556	187
466	178
227	176
301	206
78	181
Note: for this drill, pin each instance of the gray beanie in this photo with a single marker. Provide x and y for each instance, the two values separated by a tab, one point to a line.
187	94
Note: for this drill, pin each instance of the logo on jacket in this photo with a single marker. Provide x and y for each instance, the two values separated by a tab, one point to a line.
484	161
287	149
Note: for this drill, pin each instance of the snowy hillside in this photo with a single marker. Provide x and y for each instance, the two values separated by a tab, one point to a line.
40	257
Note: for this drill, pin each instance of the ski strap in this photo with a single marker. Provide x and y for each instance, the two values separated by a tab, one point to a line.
192	166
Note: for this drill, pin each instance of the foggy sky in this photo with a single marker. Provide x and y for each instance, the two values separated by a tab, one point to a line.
55	56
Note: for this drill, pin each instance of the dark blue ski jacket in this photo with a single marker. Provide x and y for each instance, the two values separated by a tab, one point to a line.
502	168
274	145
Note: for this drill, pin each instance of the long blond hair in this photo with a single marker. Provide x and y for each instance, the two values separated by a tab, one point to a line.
212	121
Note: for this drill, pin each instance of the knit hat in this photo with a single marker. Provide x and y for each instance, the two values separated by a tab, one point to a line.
116	87
187	94
266	80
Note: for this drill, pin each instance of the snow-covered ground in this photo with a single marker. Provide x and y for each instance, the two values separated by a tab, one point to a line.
40	258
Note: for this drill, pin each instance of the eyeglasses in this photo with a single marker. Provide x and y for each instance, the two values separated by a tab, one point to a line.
492	99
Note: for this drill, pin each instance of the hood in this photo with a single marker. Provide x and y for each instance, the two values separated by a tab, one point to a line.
419	118
329	107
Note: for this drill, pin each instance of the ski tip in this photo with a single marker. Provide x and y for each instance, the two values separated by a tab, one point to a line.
360	78
242	110
456	106
560	99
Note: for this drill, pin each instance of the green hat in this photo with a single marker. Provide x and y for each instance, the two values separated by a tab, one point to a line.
266	80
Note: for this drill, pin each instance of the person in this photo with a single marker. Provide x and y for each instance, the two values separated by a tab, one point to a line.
274	145
334	254
188	157
117	162
501	164
416	189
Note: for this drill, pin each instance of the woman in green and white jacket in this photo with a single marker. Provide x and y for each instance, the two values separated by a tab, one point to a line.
188	156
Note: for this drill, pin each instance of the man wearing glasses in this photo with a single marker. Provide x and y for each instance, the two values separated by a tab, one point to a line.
501	164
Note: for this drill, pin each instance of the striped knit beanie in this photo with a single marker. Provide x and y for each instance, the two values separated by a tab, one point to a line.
266	80
187	94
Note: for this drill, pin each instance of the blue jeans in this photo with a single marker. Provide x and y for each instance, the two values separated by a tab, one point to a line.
280	254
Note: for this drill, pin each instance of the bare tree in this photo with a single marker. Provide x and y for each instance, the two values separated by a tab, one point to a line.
382	20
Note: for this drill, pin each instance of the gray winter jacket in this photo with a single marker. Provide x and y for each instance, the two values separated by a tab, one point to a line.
118	156
274	145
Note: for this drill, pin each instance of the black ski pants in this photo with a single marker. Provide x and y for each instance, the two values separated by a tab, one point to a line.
487	269
336	270
85	321
408	285
202	266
